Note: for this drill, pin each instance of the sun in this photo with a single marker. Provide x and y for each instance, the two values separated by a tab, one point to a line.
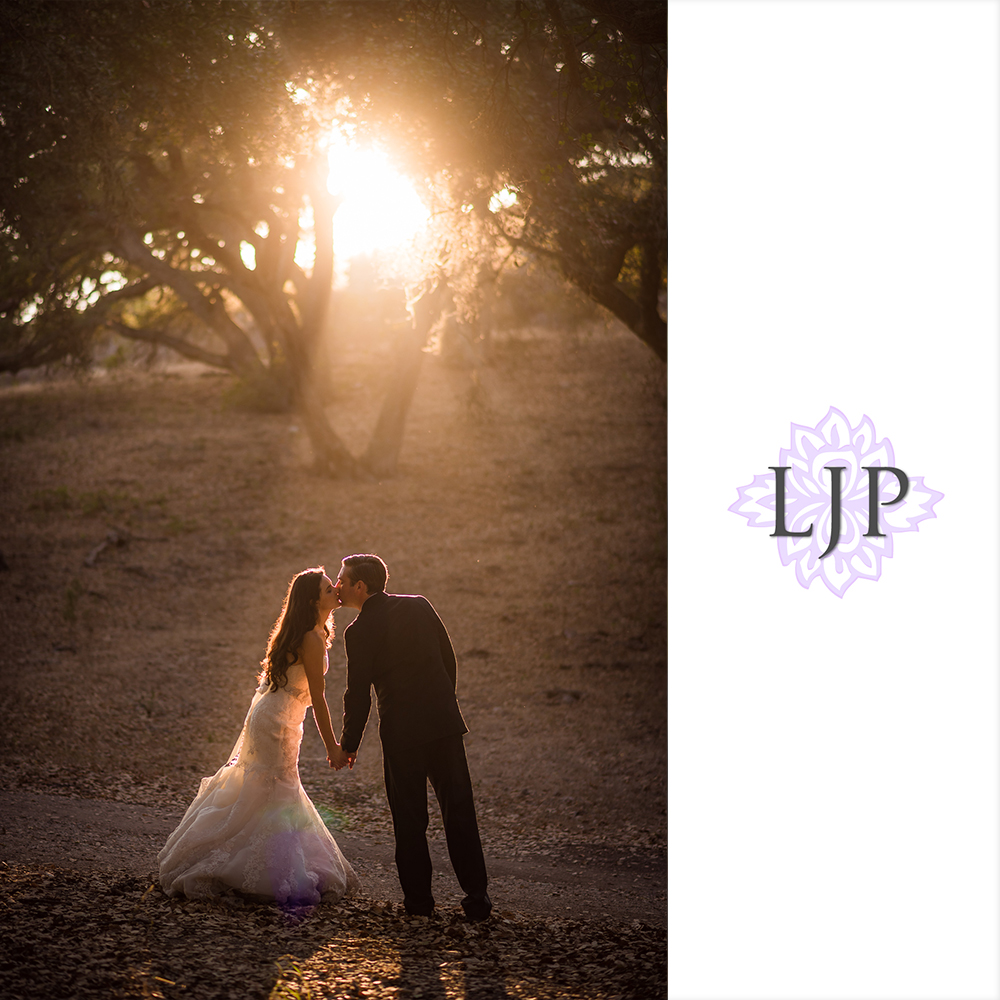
380	209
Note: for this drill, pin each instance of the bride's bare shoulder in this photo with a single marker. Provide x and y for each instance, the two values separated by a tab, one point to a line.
312	640
313	647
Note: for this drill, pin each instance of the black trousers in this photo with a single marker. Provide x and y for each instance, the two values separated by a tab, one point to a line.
406	773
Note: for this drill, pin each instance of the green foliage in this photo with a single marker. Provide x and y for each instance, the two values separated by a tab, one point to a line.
146	147
125	193
561	101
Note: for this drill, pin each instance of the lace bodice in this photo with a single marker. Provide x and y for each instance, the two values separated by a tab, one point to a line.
296	686
272	732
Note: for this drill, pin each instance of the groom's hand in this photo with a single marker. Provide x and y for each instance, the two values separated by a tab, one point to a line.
351	758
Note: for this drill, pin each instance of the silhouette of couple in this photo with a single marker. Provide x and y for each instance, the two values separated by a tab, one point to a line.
252	828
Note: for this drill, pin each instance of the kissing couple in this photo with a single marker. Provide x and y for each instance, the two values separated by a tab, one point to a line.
252	829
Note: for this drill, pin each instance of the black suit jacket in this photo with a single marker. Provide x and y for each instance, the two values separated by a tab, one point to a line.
399	645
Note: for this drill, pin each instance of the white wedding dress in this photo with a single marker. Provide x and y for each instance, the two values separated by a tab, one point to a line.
251	826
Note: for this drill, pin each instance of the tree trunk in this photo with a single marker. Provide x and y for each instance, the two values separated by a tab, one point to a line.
646	323
382	454
654	330
316	301
331	454
487	282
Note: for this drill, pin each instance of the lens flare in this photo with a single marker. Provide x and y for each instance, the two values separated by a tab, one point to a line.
380	209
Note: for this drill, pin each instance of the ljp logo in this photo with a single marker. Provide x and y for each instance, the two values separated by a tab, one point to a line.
829	498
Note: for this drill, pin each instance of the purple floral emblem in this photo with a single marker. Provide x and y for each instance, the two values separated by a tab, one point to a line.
857	555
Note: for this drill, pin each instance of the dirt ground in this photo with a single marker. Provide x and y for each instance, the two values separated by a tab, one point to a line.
536	526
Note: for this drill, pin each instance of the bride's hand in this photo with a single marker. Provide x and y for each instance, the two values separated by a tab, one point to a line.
338	759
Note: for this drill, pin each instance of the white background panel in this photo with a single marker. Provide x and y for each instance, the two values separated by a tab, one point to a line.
834	780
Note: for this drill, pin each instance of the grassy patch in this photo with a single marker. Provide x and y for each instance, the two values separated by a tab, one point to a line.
13	434
267	394
181	525
88	502
71	597
107	502
52	499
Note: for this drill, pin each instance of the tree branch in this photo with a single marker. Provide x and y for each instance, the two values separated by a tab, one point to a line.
153	335
46	343
649	328
569	50
133	291
212	314
642	318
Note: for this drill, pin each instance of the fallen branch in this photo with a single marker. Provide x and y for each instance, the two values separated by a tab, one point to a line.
117	537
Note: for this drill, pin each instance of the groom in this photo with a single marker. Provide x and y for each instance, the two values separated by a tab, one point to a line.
399	644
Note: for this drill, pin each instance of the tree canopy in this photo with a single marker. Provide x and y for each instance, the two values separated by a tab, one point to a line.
161	162
560	103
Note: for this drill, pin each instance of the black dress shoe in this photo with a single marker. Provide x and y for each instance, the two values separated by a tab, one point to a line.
477	908
419	907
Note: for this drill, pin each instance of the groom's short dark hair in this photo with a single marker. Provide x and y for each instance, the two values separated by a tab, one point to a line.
369	569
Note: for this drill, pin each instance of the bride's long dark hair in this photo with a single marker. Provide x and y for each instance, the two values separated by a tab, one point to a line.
298	616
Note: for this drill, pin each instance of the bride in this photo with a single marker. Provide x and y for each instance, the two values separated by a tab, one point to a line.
251	826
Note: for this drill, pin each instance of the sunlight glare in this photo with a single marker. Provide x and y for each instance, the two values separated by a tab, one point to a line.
305	249
248	254
380	208
502	199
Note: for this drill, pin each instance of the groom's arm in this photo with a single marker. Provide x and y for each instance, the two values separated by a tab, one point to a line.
358	696
447	650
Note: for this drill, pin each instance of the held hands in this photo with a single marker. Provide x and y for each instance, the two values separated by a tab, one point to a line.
338	759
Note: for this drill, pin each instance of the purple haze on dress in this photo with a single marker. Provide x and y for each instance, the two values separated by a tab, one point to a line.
833	442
